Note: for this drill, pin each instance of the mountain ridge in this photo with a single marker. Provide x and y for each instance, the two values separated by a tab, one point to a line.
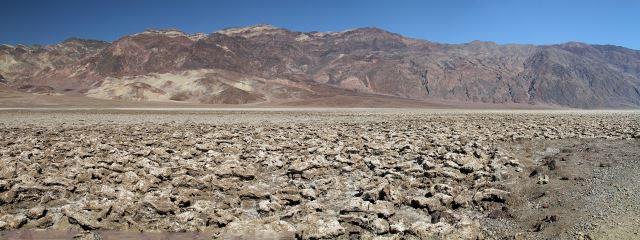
263	63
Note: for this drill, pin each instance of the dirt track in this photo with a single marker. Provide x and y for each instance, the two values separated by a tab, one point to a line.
409	174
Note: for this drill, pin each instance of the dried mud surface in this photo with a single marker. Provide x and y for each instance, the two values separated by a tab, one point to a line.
319	174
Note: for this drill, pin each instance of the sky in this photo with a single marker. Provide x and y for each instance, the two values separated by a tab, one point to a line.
614	22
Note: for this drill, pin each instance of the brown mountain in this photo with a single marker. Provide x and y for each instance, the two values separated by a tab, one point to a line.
267	64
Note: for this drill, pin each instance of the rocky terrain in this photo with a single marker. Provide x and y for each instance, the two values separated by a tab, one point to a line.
322	174
270	65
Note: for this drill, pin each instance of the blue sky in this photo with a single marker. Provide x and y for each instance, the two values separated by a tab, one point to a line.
453	21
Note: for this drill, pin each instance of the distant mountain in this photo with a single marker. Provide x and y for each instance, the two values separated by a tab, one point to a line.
268	64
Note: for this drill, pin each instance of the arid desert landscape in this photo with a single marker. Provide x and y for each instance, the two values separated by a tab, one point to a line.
314	173
310	120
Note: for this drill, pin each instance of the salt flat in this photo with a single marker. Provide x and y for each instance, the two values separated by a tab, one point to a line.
321	173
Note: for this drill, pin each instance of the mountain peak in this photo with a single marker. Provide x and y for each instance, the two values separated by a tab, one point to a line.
170	32
250	31
575	45
197	36
7	46
482	43
83	40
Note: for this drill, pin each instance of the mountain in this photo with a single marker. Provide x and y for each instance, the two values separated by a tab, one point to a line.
265	64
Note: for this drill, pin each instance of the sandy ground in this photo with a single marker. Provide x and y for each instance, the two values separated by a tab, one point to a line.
10	98
591	193
316	173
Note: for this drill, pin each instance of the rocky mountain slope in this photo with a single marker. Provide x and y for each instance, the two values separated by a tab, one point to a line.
265	64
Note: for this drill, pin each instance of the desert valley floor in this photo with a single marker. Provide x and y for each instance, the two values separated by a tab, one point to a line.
288	173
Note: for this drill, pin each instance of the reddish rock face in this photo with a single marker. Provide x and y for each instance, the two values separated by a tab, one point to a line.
365	60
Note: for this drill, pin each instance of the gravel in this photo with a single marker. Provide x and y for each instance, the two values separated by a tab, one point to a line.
411	174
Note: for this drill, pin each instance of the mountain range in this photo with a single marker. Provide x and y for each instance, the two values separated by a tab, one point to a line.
263	64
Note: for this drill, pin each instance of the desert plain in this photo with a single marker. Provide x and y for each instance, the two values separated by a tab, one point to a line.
319	173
